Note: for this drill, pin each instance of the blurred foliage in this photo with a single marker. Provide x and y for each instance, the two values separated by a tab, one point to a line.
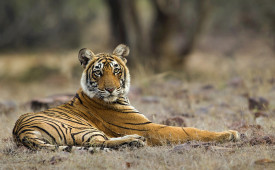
38	23
154	29
175	26
246	15
76	71
38	73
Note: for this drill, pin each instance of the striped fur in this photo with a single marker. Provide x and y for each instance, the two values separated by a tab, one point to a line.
100	115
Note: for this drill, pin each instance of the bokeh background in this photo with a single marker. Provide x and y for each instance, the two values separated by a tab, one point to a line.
184	39
154	29
208	64
187	40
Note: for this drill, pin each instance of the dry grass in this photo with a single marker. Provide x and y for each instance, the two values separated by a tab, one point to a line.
210	94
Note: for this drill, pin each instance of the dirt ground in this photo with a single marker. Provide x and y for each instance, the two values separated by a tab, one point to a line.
213	93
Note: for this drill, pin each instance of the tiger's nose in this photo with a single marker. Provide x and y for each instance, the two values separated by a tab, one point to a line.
110	90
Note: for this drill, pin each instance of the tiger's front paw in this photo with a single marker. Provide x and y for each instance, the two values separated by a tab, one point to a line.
234	135
227	136
134	140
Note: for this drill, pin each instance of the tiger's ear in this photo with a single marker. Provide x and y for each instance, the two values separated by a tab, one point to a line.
84	56
122	51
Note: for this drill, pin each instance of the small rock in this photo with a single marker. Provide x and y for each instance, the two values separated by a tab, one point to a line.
175	121
259	103
208	87
260	114
48	102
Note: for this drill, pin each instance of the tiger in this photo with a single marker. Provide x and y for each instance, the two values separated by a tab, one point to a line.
100	114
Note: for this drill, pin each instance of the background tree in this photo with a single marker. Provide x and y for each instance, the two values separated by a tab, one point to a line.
166	30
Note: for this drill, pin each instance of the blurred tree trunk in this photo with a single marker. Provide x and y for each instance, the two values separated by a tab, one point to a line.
172	38
125	27
169	38
31	24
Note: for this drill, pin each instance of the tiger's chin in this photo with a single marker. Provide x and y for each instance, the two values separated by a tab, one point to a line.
110	99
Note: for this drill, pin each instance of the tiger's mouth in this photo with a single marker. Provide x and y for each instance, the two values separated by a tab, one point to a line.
110	98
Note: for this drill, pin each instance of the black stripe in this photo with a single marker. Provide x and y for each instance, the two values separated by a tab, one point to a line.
77	96
126	127
83	136
25	124
72	102
90	65
110	58
131	112
19	121
58	131
70	118
79	132
62	124
25	121
185	131
124	71
124	104
45	132
144	123
81	116
88	74
72	136
89	139
26	130
100	60
49	123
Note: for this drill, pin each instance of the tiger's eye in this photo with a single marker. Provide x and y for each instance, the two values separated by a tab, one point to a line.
97	72
116	70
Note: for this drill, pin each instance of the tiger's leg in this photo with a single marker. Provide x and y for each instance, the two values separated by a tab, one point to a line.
34	141
37	144
92	137
96	141
116	143
101	143
204	135
157	134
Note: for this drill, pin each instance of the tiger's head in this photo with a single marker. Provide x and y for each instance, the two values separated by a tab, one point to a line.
105	76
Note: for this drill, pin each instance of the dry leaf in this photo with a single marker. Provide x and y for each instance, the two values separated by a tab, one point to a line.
128	164
264	161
